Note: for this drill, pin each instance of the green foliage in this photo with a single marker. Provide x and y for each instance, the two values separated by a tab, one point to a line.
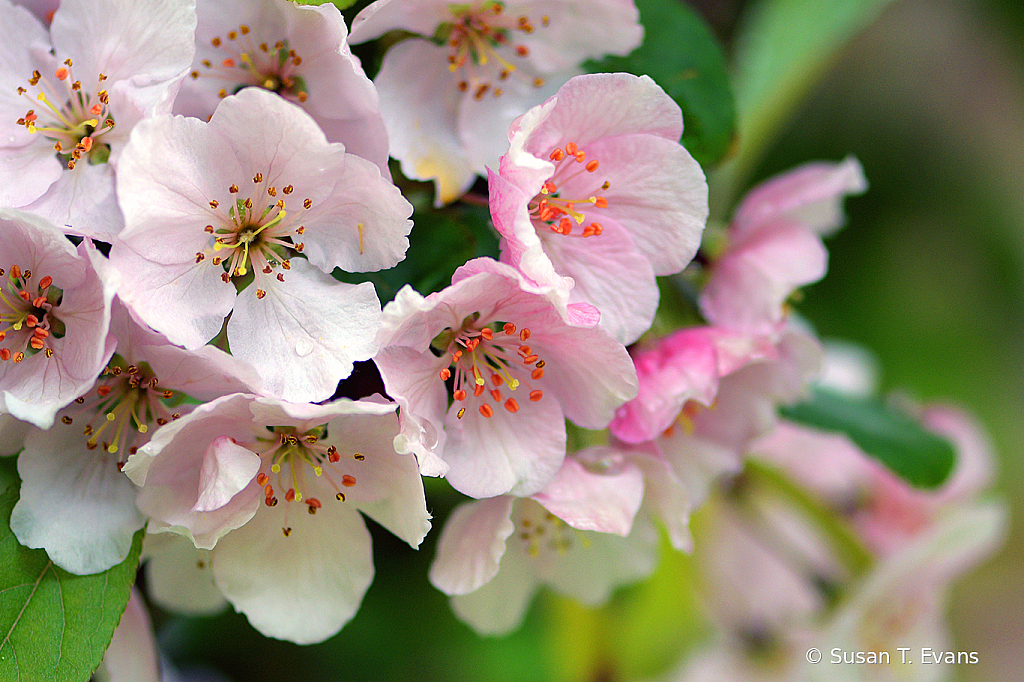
341	4
782	48
55	625
920	457
682	56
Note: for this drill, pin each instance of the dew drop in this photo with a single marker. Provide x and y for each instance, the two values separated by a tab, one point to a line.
303	347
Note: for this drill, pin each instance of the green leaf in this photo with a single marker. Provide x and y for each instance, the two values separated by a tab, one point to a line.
341	4
901	443
55	626
682	56
782	49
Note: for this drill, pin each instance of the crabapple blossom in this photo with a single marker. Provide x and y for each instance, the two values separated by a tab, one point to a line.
249	214
71	95
298	51
774	244
75	503
576	536
274	490
447	106
705	395
514	369
54	318
596	190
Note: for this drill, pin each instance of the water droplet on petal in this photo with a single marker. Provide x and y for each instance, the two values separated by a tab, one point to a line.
303	347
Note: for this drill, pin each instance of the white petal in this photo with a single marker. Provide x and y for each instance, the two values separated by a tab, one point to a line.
471	545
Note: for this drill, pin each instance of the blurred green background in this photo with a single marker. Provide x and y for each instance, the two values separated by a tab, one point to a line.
928	274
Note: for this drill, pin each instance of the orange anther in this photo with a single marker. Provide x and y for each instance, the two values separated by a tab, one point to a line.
313	502
478	390
103	391
530	359
496	394
61	73
565	226
550	187
487	333
262	478
592	165
445	373
15	272
40	332
537	373
525	334
36	343
572	149
597	228
536	395
557	155
31	321
509	328
522	50
38	301
290	495
86	143
5	354
511	405
348	481
525	350
601	202
486	411
459	394
228	63
96	110
496	379
45	282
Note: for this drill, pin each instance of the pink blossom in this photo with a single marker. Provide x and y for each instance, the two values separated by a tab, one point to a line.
112	63
705	395
575	536
518	369
774	244
299	52
447	107
75	503
596	190
274	490
54	316
258	192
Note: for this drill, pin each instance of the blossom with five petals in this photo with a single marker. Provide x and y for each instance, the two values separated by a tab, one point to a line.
258	200
514	370
597	192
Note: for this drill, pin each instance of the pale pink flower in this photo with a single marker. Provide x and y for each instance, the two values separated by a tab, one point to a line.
447	107
576	536
275	490
54	317
596	190
67	113
299	52
258	192
517	370
132	655
774	244
75	503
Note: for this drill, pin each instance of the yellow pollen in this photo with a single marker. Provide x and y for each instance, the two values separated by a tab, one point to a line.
276	468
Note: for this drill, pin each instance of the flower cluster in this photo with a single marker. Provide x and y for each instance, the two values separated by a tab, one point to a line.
189	192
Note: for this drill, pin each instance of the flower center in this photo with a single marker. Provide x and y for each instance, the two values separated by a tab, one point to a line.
552	210
541	532
482	354
257	234
27	323
247	64
288	456
75	119
125	403
477	36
